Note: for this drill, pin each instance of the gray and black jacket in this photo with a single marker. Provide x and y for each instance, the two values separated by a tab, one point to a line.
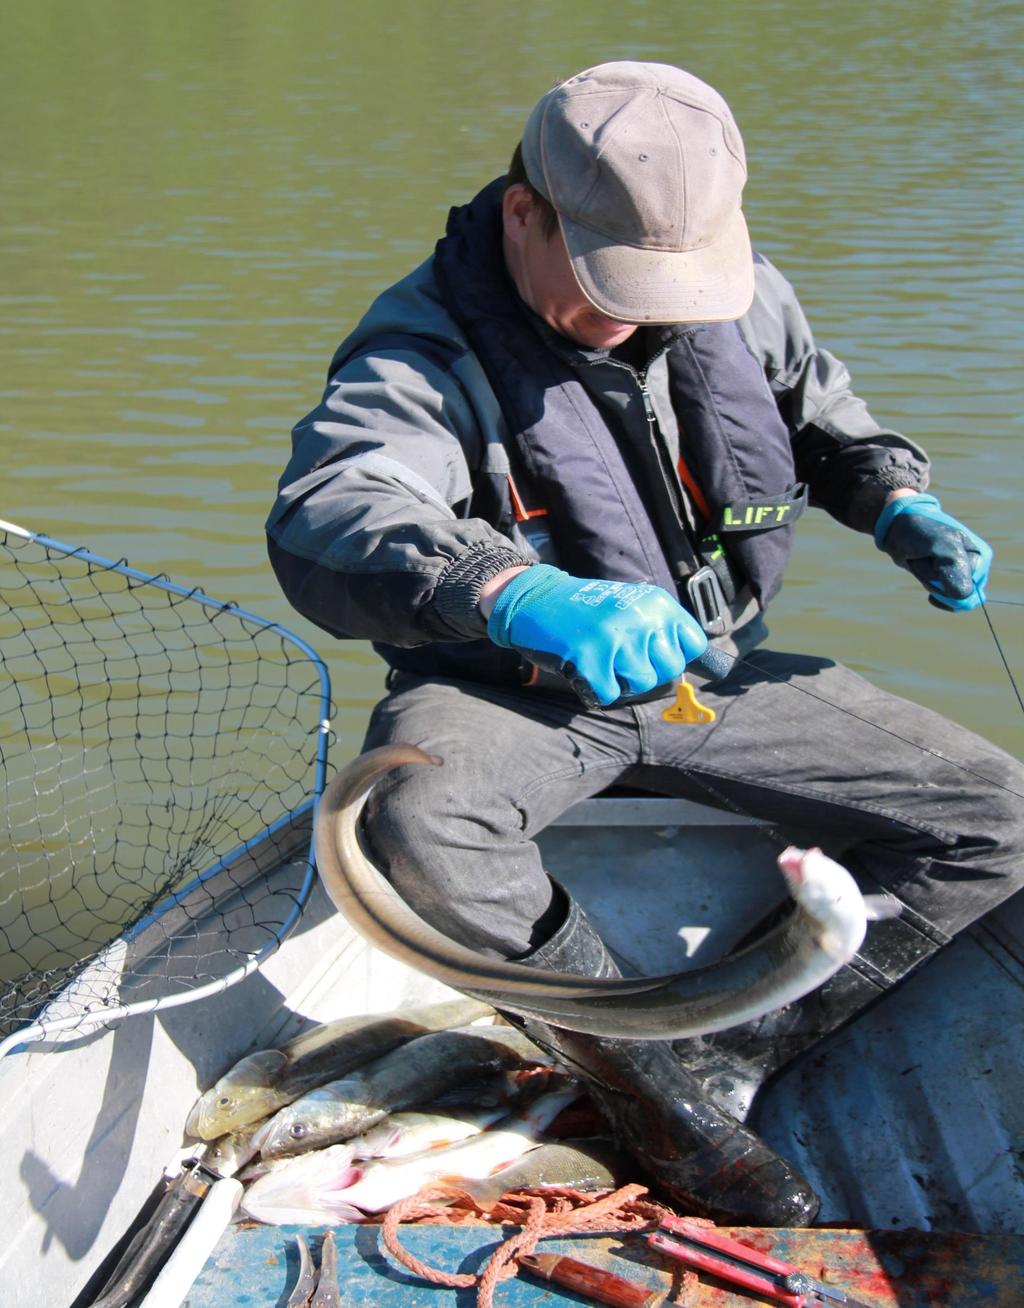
434	460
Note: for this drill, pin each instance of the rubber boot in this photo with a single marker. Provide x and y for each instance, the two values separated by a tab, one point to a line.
699	1158
731	1066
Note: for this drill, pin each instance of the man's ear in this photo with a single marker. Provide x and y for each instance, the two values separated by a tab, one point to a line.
517	211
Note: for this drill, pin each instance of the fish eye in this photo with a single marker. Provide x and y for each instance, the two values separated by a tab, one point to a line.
297	1131
223	1101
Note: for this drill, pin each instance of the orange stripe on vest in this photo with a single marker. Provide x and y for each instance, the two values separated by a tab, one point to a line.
522	513
690	482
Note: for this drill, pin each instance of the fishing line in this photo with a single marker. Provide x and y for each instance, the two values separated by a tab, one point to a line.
1006	665
962	767
767	830
770	830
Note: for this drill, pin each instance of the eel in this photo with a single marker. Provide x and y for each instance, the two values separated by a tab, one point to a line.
824	930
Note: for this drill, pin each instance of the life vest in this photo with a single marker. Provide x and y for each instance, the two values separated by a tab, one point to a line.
569	458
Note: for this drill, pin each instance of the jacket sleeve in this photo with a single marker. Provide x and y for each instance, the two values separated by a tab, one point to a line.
848	461
367	535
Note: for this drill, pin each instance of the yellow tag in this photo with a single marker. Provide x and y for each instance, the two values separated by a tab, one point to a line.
686	708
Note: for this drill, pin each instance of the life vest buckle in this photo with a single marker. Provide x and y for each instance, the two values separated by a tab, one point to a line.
708	600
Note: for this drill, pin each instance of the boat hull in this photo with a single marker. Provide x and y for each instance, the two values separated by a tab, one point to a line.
906	1119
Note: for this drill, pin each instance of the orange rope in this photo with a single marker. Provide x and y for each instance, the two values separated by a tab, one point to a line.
541	1215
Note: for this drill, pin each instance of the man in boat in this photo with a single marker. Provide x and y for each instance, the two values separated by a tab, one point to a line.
552	464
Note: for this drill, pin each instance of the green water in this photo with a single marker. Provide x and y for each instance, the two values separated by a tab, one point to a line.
198	199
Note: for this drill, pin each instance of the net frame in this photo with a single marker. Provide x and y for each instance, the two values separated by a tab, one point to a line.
72	1006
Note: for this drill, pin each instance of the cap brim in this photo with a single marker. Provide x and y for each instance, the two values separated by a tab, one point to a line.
711	284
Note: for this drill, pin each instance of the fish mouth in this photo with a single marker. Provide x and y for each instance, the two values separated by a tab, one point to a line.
262	1136
283	1143
195	1122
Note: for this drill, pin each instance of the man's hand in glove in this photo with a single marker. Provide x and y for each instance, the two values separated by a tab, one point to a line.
607	638
948	559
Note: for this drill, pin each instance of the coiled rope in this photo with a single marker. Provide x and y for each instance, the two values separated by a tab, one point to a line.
541	1214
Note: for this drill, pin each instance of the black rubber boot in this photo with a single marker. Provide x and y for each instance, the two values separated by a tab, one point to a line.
699	1158
731	1066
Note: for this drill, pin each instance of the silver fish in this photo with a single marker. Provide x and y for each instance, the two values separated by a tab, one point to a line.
401	1134
825	931
265	1081
414	1074
374	1186
295	1181
228	1154
581	1164
316	1169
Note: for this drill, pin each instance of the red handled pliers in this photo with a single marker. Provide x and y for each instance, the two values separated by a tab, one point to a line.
702	1248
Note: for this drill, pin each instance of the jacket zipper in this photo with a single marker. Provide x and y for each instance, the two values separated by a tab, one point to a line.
652	426
690	562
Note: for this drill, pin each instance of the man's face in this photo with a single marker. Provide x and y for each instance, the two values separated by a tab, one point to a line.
543	276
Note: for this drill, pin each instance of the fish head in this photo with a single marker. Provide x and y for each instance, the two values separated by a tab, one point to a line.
828	894
332	1112
228	1154
241	1097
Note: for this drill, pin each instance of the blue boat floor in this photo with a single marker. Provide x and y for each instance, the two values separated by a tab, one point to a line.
257	1267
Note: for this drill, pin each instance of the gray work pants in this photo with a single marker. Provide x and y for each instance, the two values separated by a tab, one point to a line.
909	800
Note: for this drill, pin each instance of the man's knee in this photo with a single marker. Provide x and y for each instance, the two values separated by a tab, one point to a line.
459	860
994	842
1005	806
408	828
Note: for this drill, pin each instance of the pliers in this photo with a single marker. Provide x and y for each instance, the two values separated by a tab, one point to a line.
316	1288
702	1248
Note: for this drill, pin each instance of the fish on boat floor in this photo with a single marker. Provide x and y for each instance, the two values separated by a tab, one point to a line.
883	1269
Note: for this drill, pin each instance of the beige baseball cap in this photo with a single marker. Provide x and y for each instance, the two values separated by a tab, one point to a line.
645	167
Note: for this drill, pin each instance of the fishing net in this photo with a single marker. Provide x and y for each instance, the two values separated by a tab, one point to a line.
160	752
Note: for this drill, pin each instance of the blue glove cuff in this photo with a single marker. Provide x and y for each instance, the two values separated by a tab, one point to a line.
897	506
532	583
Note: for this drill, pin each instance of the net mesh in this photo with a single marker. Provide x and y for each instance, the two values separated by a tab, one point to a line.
159	751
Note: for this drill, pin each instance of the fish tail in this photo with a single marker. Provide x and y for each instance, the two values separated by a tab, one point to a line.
336	1212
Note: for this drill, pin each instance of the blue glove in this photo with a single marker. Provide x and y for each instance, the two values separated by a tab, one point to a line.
950	561
607	638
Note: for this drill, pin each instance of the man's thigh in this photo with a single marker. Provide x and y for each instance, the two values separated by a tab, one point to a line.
456	841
